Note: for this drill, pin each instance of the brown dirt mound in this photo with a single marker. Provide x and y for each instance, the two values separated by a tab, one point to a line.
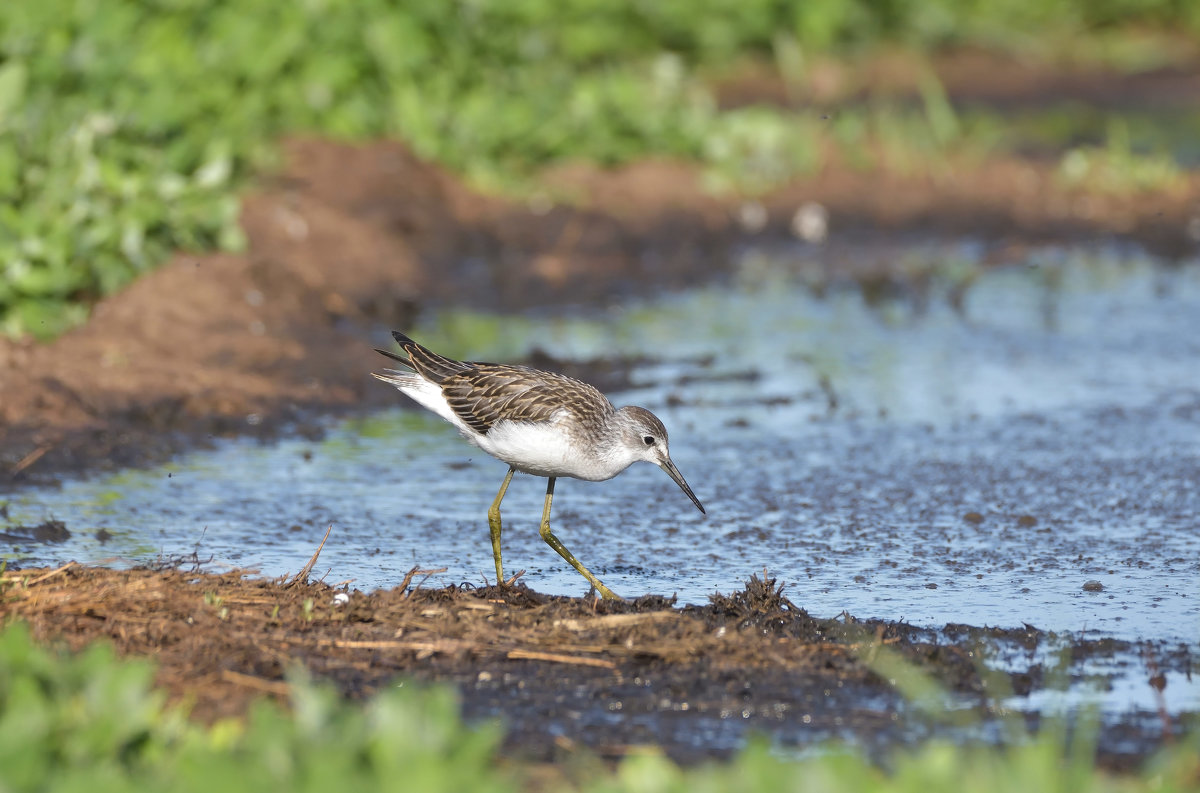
349	241
222	640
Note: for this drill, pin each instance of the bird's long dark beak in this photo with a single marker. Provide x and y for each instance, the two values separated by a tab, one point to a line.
673	472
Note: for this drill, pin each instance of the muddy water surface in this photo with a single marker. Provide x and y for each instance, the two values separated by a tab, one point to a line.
960	445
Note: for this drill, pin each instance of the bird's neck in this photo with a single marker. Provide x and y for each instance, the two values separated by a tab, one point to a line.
609	452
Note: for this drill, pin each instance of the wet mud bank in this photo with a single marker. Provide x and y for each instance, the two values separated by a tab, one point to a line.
574	674
347	242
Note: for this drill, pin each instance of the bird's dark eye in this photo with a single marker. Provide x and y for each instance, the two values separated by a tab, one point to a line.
649	439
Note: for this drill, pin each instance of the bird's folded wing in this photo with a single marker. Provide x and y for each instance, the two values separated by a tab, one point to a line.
492	392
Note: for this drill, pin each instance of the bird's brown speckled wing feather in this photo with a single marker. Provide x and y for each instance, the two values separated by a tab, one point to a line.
424	361
482	394
488	393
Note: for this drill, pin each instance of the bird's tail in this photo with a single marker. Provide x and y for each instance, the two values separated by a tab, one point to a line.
425	362
400	379
400	358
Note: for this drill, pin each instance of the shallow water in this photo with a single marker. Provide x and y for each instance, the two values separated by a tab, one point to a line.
972	450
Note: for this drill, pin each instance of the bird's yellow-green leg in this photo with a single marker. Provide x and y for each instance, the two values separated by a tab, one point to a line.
494	525
557	545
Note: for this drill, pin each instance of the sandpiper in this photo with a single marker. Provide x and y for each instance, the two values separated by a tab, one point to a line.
538	422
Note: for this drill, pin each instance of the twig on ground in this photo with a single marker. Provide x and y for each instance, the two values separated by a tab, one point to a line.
413	573
559	658
250	681
30	459
54	572
302	576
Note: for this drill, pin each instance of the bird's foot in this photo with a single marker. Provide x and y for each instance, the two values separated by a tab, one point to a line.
512	580
601	591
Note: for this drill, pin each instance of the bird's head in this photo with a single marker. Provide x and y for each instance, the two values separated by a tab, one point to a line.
645	438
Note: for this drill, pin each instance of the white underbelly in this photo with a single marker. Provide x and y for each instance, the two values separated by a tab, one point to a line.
541	449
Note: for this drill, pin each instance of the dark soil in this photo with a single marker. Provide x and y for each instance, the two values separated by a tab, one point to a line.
555	669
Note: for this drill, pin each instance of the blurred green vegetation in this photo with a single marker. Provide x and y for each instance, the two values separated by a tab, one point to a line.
93	722
126	129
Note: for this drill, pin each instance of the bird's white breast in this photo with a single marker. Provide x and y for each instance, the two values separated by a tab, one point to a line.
546	449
